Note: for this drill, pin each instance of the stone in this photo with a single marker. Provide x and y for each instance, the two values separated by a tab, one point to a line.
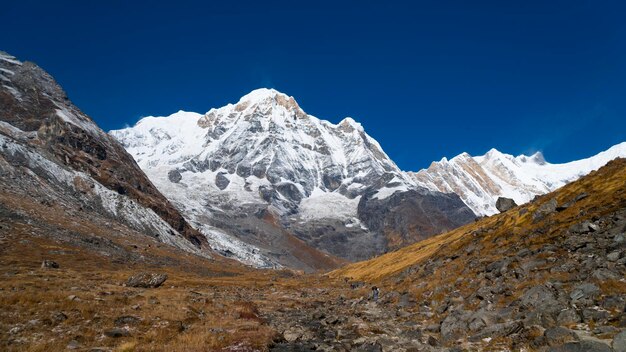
584	227
455	325
116	333
174	176
126	320
557	336
406	301
73	345
568	316
603	274
504	204
370	347
545	209
292	334
613	256
49	264
58	317
582	346
619	342
498	330
432	341
538	297
221	181
585	290
146	280
581	196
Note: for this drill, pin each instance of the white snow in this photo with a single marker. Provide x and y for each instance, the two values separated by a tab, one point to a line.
328	205
480	180
230	246
388	191
9	59
265	129
13	91
119	206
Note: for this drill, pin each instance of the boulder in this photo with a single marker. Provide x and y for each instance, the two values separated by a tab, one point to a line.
49	264
498	330
619	342
455	325
116	332
146	280
585	290
174	176
567	317
582	346
545	209
504	204
221	181
559	335
540	297
126	320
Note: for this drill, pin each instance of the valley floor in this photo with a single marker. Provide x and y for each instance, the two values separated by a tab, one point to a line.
546	276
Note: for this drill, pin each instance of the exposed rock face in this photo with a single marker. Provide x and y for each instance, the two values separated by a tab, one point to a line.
265	155
41	130
146	280
480	180
515	281
504	204
407	217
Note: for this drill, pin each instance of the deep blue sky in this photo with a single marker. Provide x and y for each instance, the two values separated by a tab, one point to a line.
427	79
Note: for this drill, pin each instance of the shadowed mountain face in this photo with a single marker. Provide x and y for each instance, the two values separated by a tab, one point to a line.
51	143
331	185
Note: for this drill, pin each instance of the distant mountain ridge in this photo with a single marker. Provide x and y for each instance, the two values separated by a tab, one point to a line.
263	160
480	180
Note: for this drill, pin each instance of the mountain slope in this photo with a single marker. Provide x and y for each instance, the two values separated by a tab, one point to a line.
513	280
53	153
263	159
480	180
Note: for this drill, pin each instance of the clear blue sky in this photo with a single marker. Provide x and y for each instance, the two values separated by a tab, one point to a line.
427	79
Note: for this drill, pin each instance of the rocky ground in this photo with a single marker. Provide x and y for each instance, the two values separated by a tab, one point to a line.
546	276
549	275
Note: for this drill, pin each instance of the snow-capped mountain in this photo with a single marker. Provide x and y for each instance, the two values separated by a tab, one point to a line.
480	180
264	147
264	158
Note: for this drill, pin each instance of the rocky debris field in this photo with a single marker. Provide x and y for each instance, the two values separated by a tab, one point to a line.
546	299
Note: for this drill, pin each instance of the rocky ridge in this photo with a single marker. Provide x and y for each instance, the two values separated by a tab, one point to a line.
547	276
481	180
52	153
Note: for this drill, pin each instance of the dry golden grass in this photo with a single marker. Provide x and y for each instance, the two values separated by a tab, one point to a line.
513	229
190	312
205	305
214	304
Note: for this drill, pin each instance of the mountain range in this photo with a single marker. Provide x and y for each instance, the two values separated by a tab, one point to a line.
93	225
262	169
260	180
481	180
251	173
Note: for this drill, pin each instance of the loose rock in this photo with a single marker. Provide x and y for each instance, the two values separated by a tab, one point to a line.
146	280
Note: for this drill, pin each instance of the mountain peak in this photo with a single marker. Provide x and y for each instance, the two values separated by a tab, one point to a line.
538	158
349	124
262	94
269	97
